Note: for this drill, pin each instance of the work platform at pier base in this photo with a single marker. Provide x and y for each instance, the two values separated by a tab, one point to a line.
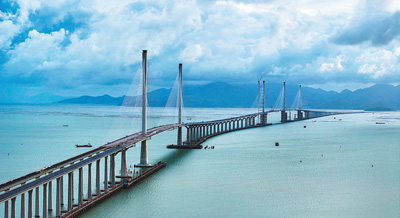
184	147
125	184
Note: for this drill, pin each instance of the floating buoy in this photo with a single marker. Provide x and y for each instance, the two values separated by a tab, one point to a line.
276	143
301	161
305	126
372	165
322	155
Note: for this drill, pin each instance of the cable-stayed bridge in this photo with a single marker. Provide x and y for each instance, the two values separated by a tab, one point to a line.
33	193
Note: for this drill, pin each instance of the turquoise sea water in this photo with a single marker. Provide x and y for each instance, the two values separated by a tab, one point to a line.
323	170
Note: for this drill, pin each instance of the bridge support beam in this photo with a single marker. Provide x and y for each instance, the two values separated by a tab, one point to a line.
89	191
112	170
80	186
62	190
299	115
72	185
37	213
70	181
30	203
105	173
97	177
123	163
58	196
50	202
6	209
45	209
13	211
23	205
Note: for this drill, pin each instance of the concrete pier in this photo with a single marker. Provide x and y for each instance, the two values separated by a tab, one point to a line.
37	204
80	186
105	174
13	210
50	203
69	202
58	196
98	177
30	203
45	208
89	191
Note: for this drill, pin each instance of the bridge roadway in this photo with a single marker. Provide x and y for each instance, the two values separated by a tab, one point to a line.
122	143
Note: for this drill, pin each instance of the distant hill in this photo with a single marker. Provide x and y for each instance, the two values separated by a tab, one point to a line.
226	95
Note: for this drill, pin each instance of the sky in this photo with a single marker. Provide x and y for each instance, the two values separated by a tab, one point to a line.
93	47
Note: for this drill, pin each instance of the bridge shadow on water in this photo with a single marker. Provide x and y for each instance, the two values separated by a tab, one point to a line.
175	156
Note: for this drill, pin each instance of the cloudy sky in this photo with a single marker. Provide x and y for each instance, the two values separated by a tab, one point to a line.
93	47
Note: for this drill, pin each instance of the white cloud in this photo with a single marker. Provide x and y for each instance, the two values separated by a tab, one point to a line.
215	40
7	30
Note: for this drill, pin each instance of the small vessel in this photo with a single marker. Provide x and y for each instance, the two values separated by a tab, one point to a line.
83	146
276	143
379	123
65	125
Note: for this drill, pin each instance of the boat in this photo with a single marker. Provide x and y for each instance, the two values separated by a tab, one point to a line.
65	125
379	123
83	146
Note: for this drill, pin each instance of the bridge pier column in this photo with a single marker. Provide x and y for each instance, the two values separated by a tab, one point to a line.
62	190
187	135
58	203
45	209
105	173
80	186
69	202
112	170
89	191
13	211
50	203
98	177
123	163
23	205
179	141
299	115
30	203
72	185
37	213
6	209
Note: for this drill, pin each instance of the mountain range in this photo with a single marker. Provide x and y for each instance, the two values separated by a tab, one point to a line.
220	94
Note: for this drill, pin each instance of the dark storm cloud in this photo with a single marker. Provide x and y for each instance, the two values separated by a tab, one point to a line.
379	30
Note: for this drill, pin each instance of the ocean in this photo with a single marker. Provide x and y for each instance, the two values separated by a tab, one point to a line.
334	166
